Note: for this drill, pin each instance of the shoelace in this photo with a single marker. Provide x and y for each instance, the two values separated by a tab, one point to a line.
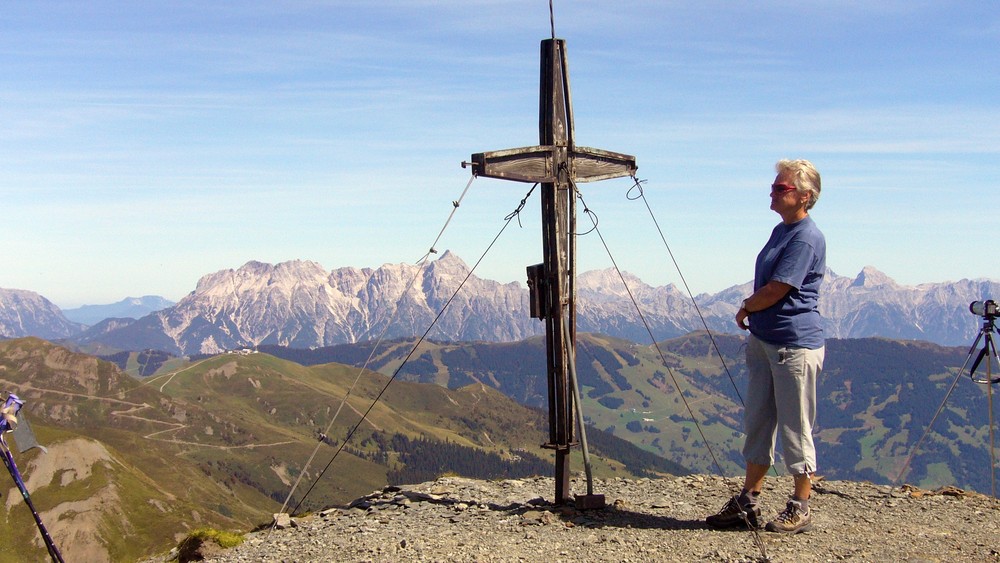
788	514
733	506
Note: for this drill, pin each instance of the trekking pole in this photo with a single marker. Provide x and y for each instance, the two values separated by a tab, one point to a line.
7	422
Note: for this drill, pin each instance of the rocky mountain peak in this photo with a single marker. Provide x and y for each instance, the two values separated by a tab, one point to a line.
448	264
254	277
871	278
26	313
605	280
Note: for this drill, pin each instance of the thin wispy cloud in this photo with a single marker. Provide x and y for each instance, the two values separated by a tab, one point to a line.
333	131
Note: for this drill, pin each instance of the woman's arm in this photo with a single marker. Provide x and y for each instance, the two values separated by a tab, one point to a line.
766	296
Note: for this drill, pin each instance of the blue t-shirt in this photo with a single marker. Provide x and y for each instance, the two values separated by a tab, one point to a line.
796	255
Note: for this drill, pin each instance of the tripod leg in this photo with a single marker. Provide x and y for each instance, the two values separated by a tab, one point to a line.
972	350
993	457
975	364
991	346
988	346
909	457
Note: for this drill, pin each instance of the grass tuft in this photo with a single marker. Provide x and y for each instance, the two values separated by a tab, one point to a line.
193	547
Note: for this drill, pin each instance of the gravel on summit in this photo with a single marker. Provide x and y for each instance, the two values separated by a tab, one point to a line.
459	519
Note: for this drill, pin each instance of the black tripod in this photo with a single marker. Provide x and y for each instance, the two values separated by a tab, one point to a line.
989	311
985	334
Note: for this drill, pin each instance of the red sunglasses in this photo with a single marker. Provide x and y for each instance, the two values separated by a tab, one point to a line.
778	189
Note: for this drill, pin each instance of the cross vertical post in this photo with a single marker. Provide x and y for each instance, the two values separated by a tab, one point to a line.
555	129
557	164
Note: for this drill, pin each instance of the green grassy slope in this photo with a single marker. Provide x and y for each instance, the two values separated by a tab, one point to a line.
133	465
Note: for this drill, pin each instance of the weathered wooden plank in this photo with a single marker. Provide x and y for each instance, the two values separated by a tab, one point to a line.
537	164
525	164
591	165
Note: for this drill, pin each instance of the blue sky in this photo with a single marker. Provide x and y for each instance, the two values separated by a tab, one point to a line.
145	144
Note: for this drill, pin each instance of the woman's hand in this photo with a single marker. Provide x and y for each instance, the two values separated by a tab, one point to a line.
741	318
772	292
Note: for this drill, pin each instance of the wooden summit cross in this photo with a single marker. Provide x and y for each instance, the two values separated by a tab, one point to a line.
557	164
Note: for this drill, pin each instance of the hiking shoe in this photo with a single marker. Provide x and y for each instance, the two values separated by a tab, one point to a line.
792	520
735	515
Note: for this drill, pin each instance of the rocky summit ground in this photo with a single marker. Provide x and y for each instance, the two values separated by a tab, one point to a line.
457	519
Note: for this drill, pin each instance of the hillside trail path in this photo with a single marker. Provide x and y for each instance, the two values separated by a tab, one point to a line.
459	519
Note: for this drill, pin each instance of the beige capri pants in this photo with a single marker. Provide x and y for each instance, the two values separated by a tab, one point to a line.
781	399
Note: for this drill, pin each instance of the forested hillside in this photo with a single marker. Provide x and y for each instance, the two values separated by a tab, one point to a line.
877	398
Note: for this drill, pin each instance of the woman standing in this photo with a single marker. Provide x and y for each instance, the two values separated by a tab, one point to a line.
784	353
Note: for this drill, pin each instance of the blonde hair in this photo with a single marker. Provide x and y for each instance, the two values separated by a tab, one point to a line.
805	175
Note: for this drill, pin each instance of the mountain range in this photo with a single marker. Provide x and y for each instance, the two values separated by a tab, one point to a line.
130	307
299	304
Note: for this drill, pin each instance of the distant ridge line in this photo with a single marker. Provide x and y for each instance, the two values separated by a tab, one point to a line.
302	305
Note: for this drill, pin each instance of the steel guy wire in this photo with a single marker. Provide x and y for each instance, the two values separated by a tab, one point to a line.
552	19
420	266
413	350
649	330
637	186
687	405
455	205
520	206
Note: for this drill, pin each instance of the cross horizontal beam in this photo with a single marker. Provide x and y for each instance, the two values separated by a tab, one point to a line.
538	164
